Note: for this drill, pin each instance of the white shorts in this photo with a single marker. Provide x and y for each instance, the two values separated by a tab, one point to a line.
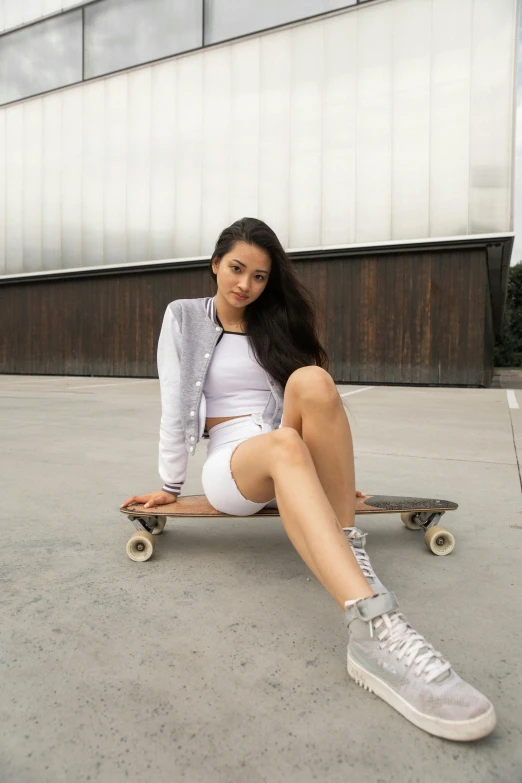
218	483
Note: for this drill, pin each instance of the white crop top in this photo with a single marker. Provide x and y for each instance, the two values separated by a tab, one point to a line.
235	383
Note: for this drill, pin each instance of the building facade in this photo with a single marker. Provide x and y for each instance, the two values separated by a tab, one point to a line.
376	138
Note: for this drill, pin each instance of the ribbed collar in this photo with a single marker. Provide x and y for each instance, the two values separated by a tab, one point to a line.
210	307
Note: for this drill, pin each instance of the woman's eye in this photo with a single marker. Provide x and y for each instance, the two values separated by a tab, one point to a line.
260	278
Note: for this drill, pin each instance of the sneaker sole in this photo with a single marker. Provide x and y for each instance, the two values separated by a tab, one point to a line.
460	731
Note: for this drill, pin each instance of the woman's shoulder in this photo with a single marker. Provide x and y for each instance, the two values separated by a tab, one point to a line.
190	313
189	305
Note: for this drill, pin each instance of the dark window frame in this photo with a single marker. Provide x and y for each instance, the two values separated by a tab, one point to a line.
204	45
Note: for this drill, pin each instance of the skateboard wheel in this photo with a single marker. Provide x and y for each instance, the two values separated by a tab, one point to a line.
159	526
408	520
140	546
439	541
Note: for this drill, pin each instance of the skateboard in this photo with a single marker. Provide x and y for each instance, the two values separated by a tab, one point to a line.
416	514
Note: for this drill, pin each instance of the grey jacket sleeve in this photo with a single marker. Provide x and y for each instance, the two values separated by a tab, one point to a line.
173	455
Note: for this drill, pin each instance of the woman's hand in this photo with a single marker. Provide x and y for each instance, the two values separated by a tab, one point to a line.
151	499
359	494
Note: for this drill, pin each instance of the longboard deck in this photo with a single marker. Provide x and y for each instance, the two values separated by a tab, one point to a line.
198	506
416	513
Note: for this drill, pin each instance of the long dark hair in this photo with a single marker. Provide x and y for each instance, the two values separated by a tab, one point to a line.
281	322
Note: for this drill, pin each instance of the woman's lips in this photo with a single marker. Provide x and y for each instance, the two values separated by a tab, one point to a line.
239	296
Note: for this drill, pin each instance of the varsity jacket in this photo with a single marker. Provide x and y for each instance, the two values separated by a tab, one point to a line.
189	335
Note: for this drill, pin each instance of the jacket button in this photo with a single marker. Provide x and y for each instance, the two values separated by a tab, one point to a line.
192	449
198	383
192	413
207	355
218	328
192	439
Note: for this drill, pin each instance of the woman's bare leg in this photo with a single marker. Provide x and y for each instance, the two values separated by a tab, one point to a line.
313	407
280	464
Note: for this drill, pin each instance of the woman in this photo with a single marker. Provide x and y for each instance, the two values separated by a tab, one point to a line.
247	364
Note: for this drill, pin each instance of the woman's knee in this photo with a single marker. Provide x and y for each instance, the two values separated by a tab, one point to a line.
287	445
312	384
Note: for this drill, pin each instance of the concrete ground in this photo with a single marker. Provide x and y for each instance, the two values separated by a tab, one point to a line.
221	660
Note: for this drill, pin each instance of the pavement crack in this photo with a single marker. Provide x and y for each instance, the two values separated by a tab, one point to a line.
515	448
359	453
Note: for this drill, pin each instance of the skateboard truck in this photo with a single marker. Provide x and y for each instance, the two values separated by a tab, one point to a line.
425	520
150	524
144	523
437	539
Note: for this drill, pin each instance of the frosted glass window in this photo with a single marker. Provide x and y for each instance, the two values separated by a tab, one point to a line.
41	57
339	129
386	124
275	86
231	18
494	31
306	133
123	33
411	119
373	187
216	147
451	47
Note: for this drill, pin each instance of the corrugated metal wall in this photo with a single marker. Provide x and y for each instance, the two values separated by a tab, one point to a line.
408	317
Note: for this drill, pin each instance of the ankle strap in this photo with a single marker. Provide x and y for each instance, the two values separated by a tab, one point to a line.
367	609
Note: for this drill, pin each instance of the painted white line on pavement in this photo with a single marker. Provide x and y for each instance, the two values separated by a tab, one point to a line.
366	388
512	400
100	385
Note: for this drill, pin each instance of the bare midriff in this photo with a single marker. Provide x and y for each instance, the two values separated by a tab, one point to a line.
211	422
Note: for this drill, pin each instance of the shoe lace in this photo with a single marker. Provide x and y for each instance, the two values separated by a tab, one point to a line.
399	637
353	534
364	563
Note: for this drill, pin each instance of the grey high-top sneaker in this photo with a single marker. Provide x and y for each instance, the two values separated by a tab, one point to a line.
386	656
357	539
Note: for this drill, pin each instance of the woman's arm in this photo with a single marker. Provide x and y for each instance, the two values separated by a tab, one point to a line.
173	455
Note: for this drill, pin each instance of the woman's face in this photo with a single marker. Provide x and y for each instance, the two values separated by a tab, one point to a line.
243	271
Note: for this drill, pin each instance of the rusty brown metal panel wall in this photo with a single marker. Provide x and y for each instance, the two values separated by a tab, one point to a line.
403	318
409	318
489	347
